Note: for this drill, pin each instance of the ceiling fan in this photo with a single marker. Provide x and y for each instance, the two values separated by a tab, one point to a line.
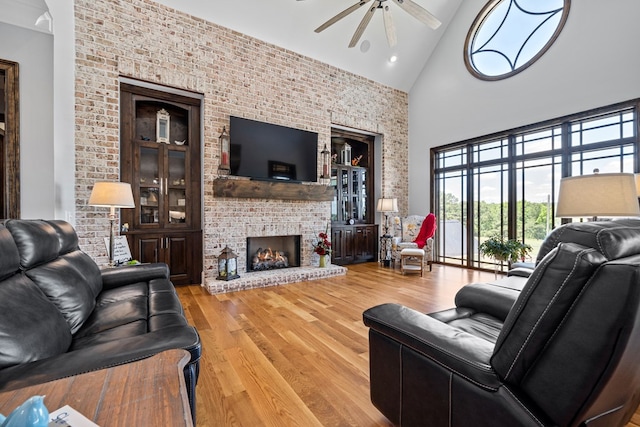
408	6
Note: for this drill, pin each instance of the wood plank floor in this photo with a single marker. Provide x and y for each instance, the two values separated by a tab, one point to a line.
297	354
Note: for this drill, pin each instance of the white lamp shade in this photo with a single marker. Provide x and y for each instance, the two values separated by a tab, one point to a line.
605	194
112	194
387	205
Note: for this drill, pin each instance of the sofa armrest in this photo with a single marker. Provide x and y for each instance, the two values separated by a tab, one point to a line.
488	298
121	276
458	351
102	356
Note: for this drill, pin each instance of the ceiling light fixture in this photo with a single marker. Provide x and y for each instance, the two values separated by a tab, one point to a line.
393	59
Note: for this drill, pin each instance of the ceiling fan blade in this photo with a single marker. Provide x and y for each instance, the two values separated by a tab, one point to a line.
341	15
389	26
363	24
418	12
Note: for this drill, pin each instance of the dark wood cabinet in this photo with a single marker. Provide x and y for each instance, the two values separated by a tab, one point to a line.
352	244
354	235
175	249
160	157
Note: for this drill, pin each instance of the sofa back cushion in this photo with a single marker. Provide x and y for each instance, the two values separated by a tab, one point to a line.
614	239
31	327
9	256
410	227
545	300
50	257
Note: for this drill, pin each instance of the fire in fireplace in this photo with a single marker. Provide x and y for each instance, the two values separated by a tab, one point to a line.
266	259
272	252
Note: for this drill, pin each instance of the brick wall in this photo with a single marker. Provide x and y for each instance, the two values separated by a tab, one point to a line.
238	75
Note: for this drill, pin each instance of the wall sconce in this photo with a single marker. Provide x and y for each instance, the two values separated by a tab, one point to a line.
225	152
227	265
326	158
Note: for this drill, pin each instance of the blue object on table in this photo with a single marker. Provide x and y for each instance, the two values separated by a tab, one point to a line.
32	413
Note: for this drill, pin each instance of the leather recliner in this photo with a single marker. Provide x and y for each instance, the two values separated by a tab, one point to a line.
562	351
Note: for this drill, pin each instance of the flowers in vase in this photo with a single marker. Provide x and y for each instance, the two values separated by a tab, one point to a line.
322	246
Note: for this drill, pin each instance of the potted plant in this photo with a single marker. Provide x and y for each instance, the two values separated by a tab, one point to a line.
500	249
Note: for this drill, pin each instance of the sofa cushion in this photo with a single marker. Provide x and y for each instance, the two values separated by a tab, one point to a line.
539	310
52	260
37	241
10	259
31	327
63	282
614	239
131	310
67	237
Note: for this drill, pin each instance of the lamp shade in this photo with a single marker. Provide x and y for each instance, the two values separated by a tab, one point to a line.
112	194
387	205
605	194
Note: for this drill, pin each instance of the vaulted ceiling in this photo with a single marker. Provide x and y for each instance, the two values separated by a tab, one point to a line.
291	23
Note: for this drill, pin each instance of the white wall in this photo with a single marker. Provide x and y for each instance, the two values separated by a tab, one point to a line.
33	51
594	62
63	109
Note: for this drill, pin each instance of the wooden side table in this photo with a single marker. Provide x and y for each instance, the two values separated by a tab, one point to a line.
150	392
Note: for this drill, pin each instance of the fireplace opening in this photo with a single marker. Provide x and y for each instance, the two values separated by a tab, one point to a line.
272	252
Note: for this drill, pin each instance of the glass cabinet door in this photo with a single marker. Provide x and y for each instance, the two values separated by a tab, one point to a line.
149	185
355	199
344	188
362	184
350	193
176	186
336	198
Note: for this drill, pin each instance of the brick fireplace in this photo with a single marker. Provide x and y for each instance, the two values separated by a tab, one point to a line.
276	212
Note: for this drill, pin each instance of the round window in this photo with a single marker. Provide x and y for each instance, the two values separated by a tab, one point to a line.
507	36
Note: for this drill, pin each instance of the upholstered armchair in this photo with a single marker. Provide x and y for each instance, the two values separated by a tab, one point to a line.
405	231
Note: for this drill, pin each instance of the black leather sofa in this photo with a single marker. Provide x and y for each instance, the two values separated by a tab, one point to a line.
61	315
558	348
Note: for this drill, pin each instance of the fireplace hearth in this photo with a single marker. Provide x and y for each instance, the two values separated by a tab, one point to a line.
272	252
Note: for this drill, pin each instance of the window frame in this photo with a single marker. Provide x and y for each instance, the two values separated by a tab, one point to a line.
480	19
566	152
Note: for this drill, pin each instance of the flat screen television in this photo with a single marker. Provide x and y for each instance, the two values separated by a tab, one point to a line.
265	151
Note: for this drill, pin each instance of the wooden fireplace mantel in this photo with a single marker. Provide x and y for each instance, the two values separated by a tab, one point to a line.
245	188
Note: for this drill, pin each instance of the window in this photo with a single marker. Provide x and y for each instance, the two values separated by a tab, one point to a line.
507	184
510	35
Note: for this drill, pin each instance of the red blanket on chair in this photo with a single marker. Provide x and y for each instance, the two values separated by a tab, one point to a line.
427	230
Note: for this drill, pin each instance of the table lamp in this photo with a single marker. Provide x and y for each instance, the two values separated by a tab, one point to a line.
600	194
112	195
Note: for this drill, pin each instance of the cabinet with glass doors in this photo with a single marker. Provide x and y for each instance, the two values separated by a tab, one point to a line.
160	157
354	236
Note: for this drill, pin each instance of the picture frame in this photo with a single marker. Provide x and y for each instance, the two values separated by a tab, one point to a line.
163	122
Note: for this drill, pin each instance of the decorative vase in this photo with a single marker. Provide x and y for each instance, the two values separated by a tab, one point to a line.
323	261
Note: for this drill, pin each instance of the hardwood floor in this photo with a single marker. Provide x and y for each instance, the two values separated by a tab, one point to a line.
297	354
